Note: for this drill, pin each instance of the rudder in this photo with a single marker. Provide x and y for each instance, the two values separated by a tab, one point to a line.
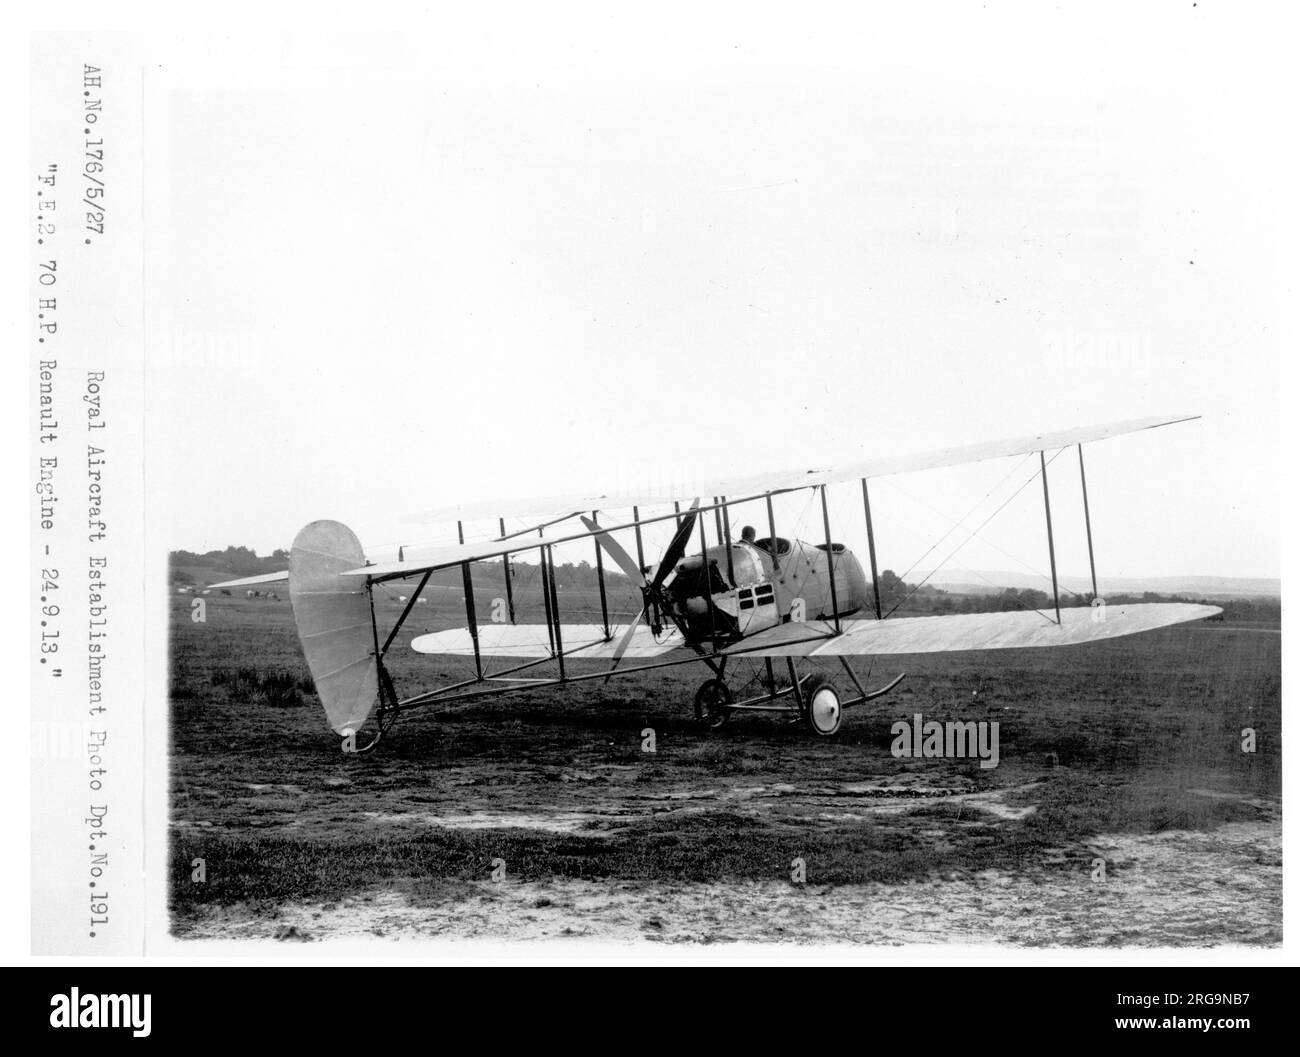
335	628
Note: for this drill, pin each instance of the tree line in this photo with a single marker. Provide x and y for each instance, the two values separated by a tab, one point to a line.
896	596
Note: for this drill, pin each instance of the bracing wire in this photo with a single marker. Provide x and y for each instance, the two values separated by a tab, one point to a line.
972	535
957	524
1001	550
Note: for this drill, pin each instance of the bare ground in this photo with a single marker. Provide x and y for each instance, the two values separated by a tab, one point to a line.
1162	891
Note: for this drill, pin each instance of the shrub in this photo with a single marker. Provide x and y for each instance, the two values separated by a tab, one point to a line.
279	689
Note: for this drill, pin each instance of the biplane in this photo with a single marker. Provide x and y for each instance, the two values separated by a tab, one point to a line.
773	600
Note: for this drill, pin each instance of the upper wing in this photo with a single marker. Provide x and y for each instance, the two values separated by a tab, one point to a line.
754	485
970	631
955	456
742	488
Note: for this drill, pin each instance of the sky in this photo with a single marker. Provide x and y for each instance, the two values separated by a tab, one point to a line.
394	272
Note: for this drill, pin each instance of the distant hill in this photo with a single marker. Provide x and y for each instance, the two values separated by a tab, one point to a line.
967	582
212	567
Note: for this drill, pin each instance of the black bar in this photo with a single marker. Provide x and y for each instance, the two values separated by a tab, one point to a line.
460	532
871	547
1104	1007
1051	544
1087	521
717	519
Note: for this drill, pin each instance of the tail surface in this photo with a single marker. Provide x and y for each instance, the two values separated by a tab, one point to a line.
332	612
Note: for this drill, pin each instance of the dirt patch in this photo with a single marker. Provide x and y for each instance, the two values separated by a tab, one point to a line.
1170	889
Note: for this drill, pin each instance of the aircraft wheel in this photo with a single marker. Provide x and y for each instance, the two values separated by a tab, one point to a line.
711	701
822	709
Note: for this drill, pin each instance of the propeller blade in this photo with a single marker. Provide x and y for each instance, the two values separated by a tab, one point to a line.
628	635
611	547
668	563
623	643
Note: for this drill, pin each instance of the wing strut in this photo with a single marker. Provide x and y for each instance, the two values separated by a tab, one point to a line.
1087	521
600	579
472	619
830	561
726	530
546	595
549	559
708	581
1051	544
771	531
640	548
510	589
871	547
405	613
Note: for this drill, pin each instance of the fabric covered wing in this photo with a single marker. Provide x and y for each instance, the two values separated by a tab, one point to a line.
249	581
581	641
970	631
743	487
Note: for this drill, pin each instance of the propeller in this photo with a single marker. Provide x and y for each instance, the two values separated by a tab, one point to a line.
651	588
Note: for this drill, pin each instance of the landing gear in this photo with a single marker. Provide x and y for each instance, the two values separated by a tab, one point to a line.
712	701
822	708
813	699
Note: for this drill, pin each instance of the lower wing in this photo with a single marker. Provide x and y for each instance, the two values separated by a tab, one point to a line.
582	641
1022	629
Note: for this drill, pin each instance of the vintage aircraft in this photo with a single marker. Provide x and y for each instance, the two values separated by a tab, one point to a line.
754	598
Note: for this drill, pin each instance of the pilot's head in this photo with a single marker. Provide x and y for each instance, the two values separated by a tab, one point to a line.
747	534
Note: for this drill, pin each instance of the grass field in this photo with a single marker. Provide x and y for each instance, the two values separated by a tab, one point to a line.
1126	752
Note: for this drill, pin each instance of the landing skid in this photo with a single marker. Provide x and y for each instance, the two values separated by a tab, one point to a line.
386	713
